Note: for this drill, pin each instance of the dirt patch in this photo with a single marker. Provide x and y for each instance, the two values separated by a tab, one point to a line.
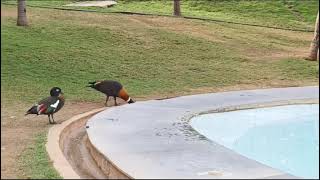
18	131
8	12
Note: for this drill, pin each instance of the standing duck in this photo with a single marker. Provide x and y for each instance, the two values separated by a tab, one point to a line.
111	88
49	105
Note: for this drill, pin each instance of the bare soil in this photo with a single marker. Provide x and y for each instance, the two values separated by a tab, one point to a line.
18	132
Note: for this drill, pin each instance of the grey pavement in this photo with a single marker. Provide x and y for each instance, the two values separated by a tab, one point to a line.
153	139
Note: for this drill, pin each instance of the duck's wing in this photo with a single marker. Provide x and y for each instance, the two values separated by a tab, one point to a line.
48	105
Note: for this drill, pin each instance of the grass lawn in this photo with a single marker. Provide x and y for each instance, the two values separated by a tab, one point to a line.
294	14
152	56
35	162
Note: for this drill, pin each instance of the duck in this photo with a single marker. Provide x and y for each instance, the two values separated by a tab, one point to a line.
50	105
111	88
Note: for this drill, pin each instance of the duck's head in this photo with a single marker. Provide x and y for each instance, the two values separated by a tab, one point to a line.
56	91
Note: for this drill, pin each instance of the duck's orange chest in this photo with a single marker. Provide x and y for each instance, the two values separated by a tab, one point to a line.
123	94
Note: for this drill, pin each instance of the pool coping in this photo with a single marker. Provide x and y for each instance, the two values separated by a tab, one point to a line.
167	147
55	137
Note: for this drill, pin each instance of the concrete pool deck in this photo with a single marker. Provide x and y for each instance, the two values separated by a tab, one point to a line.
153	139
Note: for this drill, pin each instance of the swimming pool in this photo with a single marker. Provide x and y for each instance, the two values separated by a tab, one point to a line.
282	137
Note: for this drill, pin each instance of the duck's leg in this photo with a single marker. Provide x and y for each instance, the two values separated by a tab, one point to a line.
106	104
53	119
49	119
115	100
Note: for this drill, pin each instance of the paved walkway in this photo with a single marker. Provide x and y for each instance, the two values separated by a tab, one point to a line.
153	139
93	3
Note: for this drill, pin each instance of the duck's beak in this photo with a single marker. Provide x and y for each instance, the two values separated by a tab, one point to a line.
61	94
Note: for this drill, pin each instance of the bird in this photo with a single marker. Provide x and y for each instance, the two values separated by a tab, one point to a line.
50	105
111	88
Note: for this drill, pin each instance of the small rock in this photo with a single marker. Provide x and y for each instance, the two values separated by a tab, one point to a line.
214	173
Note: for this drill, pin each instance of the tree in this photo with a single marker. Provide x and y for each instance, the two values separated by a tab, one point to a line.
176	8
22	13
314	47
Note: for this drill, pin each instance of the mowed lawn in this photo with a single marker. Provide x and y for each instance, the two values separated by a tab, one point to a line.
296	14
152	56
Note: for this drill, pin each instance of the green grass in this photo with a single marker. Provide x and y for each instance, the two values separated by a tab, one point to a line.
63	50
297	70
36	162
295	14
271	13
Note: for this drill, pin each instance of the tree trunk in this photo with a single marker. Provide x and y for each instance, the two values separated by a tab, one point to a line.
314	47
176	8
22	13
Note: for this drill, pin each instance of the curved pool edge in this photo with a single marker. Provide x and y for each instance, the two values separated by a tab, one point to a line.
255	106
108	167
55	138
166	147
281	135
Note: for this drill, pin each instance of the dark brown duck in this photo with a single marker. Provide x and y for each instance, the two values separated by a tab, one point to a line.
111	88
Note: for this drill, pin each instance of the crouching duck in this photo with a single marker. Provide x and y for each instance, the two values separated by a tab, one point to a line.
111	88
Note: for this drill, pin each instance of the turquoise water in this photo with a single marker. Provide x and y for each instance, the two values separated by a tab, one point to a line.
282	137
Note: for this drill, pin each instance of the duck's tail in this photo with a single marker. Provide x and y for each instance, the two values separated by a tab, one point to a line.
32	110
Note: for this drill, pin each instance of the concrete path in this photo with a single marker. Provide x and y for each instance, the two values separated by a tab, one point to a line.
93	3
153	139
